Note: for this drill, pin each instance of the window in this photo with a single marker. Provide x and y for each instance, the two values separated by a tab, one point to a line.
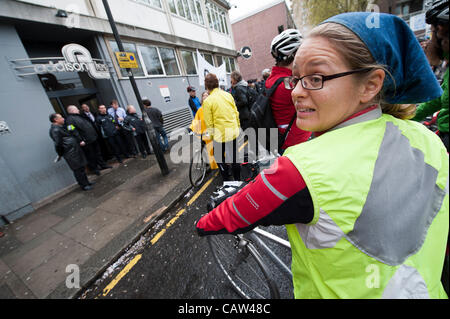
198	7
223	20
219	60
405	9
169	61
217	18
208	57
193	11
180	9
229	64
232	64
154	3
189	62
189	9
172	7
128	47
151	60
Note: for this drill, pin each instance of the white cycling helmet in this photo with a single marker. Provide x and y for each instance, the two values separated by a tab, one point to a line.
285	44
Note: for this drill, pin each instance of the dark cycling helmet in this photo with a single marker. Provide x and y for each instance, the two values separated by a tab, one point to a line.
438	13
285	44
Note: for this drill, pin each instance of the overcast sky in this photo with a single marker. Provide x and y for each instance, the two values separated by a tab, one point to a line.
245	7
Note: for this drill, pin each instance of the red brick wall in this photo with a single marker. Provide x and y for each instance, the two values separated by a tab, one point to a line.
257	32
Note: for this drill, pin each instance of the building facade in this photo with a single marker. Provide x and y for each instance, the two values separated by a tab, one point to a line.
54	53
256	30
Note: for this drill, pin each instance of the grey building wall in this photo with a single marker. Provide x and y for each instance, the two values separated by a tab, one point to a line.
27	153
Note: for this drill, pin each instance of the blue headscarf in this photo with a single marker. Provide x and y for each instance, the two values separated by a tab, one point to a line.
393	44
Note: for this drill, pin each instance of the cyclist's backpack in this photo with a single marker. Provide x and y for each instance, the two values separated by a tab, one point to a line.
252	96
261	114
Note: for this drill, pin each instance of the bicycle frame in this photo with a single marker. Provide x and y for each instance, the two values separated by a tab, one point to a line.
254	236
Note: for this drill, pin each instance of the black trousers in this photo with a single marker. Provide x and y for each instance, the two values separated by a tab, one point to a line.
116	145
128	141
94	156
142	143
226	158
80	176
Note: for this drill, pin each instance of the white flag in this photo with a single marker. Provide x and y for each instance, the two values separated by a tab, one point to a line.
204	68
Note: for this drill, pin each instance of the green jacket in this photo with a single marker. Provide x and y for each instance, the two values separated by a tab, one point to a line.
441	103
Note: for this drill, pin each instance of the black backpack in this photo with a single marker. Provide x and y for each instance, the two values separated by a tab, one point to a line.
252	96
261	117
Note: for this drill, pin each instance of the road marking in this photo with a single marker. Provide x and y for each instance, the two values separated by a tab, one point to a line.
121	274
153	241
194	198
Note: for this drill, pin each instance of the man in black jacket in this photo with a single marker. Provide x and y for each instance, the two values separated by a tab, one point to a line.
240	92
157	120
85	131
136	126
68	146
109	130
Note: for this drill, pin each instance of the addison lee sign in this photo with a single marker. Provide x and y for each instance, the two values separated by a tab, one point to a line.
76	58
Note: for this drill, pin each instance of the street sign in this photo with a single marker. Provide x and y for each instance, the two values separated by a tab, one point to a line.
126	60
246	52
417	22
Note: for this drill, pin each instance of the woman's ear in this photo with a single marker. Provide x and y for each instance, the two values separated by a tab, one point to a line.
372	85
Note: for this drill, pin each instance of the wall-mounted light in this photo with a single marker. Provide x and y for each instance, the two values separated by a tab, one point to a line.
61	14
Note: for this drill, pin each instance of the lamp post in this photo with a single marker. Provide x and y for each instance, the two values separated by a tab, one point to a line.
149	126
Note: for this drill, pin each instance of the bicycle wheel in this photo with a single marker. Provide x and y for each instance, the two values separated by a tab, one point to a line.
197	168
243	267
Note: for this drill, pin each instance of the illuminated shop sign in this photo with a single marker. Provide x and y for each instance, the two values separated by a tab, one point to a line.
76	58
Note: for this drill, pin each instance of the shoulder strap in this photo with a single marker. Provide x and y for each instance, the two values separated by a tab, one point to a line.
283	138
274	87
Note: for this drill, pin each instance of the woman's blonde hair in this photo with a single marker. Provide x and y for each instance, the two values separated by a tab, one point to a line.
358	56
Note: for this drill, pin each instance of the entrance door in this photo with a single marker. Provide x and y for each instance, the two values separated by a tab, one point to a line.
70	88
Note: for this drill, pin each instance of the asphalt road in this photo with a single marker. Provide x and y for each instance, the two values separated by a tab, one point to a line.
172	262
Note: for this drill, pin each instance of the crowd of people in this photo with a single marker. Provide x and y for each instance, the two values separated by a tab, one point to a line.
87	139
360	184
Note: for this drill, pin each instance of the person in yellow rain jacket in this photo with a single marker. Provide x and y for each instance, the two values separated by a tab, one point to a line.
222	124
198	126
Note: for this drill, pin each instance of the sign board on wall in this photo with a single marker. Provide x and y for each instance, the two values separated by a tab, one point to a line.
417	22
126	60
165	92
76	58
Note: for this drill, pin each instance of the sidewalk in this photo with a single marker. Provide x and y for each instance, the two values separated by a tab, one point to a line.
89	229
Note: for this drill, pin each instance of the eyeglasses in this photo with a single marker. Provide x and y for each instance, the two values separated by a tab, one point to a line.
315	81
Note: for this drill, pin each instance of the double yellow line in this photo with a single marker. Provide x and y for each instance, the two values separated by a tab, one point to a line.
153	241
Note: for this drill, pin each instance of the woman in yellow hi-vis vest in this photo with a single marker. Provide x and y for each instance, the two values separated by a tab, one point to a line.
365	202
198	126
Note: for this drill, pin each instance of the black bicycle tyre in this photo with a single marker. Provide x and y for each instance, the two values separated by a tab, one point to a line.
192	167
253	253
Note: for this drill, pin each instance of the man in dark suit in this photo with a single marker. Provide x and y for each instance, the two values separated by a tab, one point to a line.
134	124
85	131
69	146
92	116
